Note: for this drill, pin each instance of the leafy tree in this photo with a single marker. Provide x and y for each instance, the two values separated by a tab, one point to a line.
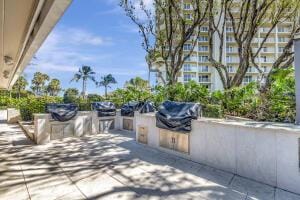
20	85
54	87
38	83
138	83
95	97
106	81
174	31
70	95
246	18
84	73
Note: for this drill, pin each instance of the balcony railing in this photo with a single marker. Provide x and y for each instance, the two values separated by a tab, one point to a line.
204	80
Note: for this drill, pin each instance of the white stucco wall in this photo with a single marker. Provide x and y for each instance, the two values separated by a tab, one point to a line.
265	152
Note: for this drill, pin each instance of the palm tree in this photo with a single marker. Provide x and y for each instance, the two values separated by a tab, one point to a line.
20	85
38	83
137	83
84	73
54	87
106	81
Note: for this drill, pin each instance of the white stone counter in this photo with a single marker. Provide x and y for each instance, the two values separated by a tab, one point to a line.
254	124
264	151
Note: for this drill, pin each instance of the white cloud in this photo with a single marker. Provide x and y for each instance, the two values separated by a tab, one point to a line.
120	71
64	48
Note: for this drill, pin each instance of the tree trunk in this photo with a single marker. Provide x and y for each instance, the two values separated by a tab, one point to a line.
149	77
83	88
105	92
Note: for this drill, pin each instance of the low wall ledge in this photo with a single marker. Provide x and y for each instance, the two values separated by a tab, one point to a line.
254	124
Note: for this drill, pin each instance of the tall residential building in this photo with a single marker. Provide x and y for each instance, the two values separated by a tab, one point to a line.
197	67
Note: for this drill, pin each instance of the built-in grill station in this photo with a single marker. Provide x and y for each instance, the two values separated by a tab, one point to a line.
127	117
174	120
60	121
105	116
174	123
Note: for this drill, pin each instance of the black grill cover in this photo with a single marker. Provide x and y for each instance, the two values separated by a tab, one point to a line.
148	107
177	116
62	112
129	108
105	109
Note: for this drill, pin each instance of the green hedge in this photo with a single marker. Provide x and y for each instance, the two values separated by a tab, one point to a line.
32	104
212	111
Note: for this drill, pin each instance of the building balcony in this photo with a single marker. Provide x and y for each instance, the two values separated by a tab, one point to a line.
190	69
204	80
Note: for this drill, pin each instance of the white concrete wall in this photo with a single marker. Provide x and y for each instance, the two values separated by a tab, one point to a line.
13	115
82	124
265	152
3	115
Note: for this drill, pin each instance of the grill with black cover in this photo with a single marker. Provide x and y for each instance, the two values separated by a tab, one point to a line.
148	107
104	109
177	116
61	112
128	109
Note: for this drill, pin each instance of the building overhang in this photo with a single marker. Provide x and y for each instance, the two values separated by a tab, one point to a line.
24	27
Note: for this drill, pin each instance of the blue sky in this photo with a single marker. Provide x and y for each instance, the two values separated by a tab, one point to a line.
95	33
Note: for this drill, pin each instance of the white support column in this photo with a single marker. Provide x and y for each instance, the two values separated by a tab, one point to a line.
297	75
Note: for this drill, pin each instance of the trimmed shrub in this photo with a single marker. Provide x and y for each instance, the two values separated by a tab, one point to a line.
32	104
212	111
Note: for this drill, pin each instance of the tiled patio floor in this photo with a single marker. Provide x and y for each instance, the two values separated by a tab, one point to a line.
112	166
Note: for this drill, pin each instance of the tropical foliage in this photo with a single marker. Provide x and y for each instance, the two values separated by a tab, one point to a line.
38	83
70	95
84	73
277	104
20	86
54	87
106	81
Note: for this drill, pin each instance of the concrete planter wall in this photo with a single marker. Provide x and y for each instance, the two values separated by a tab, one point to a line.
46	129
13	115
265	152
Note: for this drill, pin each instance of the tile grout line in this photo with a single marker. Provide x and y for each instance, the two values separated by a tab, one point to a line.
12	139
66	174
122	183
24	178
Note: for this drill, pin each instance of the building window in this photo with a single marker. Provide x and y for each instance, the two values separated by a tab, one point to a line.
203	59
203	39
187	47
265	68
229	39
187	58
186	67
188	77
282	39
229	29
230	69
204	29
204	79
250	69
203	68
203	48
263	58
229	49
186	6
187	16
229	59
264	49
280	49
247	79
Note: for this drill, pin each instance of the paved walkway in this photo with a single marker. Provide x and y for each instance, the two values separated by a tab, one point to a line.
112	166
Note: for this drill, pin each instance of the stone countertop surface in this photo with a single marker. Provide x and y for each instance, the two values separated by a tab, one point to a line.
254	124
243	123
